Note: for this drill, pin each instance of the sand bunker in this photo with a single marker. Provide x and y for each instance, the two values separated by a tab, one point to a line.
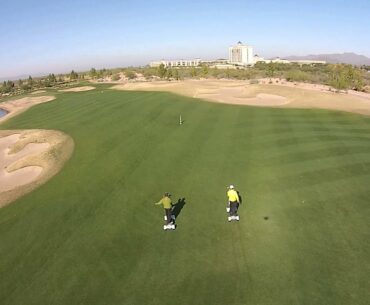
23	175
229	92
78	89
235	96
38	92
267	95
30	158
14	107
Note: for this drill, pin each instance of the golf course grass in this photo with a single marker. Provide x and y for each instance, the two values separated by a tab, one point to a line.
92	234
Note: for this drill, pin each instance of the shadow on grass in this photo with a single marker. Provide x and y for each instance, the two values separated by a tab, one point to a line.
179	205
240	197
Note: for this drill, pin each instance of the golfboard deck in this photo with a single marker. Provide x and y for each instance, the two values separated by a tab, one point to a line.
231	218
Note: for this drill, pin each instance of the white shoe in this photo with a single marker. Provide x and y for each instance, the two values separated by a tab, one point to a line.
165	217
227	210
172	227
165	227
229	218
237	218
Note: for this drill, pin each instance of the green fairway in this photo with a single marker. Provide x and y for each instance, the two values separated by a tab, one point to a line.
92	235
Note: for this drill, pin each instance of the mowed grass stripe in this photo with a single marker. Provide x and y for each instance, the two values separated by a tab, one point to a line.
91	235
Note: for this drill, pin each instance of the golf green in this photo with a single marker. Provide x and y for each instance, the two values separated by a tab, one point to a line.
92	234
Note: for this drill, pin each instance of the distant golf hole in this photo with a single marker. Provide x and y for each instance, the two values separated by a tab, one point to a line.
266	218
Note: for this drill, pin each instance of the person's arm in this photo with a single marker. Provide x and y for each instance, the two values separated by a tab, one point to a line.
159	202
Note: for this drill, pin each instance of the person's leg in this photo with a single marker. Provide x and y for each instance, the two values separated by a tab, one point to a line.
233	207
173	217
236	217
168	215
230	208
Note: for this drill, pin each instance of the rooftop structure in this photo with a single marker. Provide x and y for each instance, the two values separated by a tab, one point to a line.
279	60
176	63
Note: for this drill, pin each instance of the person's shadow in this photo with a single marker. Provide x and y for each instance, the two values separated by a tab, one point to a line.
240	197
178	207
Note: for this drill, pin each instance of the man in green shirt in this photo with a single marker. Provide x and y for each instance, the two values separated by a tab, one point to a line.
167	205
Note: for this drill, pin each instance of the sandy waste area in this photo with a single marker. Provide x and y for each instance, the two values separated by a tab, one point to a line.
267	93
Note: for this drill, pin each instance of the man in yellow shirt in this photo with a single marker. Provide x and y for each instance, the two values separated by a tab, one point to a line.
168	217
234	202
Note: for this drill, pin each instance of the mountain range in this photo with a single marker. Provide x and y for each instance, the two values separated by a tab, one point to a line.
343	58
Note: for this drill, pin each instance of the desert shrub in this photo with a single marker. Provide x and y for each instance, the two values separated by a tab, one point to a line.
130	74
297	76
115	77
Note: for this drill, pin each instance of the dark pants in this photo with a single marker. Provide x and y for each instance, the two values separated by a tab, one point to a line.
168	213
234	208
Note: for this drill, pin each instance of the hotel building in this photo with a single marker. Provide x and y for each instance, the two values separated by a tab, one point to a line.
241	55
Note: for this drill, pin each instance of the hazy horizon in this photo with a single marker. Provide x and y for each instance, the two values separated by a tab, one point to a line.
41	37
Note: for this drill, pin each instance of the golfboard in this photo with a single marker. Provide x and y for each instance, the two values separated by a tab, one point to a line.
231	218
171	225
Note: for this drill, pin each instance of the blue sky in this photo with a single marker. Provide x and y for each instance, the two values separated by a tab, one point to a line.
40	37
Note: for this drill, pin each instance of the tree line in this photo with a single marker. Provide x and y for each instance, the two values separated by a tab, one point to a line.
338	76
29	84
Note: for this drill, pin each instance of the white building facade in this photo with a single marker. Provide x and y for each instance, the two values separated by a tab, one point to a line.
241	55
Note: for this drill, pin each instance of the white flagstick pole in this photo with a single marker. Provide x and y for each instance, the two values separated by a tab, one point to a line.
180	120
